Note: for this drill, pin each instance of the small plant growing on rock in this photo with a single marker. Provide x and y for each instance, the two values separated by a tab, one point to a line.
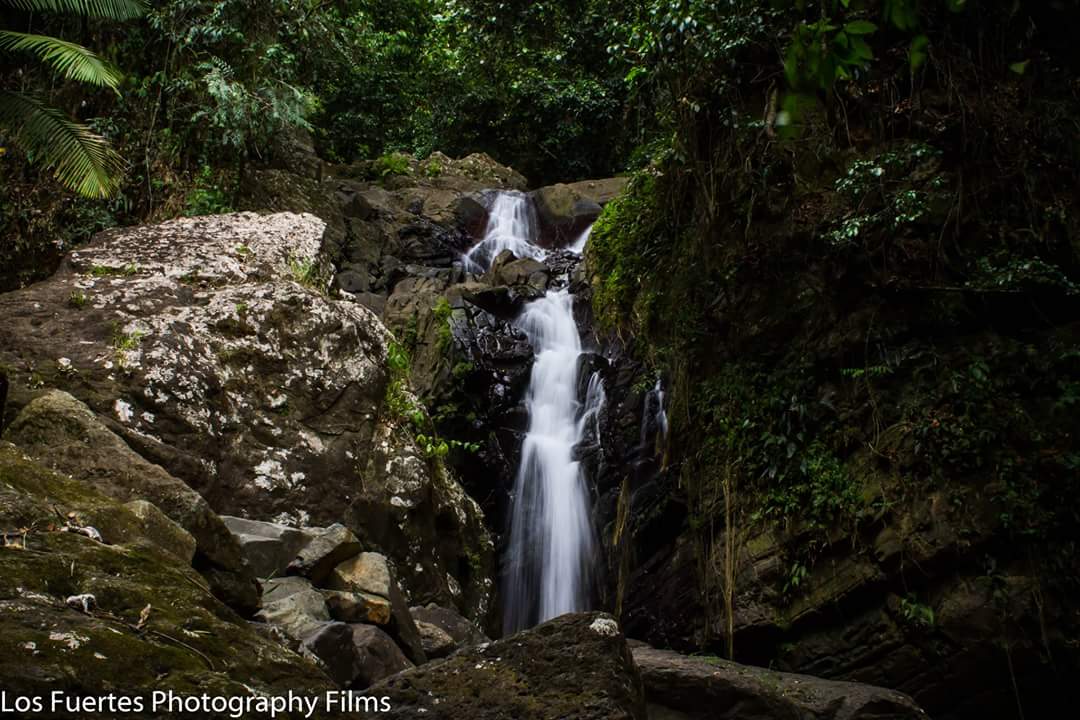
915	613
306	272
392	164
123	343
108	271
77	299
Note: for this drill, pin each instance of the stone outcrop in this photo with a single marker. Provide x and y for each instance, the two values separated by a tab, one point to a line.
211	347
115	611
679	687
576	666
64	434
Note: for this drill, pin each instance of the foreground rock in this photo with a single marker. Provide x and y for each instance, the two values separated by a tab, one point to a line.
458	628
64	434
119	614
356	656
211	347
679	687
576	666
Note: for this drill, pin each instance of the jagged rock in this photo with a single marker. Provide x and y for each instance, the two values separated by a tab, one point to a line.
357	607
356	656
295	607
680	687
323	552
163	531
44	644
436	642
202	343
65	434
576	666
461	631
279	588
268	547
367	572
368	592
402	627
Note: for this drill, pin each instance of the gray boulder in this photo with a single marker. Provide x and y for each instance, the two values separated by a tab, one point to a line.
679	687
461	630
437	643
356	656
268	547
294	606
323	552
575	666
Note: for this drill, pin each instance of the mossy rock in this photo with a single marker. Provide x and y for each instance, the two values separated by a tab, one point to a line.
190	642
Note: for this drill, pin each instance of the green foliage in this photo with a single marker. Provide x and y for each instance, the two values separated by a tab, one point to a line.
392	164
306	271
77	299
207	195
443	314
915	613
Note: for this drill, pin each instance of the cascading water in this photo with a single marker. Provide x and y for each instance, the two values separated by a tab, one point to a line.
550	549
550	533
511	225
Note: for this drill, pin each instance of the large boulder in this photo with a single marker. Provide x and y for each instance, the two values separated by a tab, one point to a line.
365	588
212	348
576	666
355	656
563	214
268	547
118	614
679	687
294	606
64	434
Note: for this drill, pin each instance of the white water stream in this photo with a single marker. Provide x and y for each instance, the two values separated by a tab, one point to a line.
550	549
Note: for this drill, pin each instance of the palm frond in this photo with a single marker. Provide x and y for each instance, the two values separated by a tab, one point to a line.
70	60
110	9
80	158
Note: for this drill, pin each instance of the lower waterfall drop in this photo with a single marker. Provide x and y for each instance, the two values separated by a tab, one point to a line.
551	542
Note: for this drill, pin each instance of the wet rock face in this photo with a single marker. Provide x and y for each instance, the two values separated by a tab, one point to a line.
209	345
576	666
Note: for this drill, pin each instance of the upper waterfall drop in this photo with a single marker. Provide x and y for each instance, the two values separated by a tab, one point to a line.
511	226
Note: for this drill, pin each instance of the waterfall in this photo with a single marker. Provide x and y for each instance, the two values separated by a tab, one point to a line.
551	539
511	225
550	548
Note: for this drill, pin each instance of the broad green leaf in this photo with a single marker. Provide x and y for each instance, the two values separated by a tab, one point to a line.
860	27
917	54
1019	67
